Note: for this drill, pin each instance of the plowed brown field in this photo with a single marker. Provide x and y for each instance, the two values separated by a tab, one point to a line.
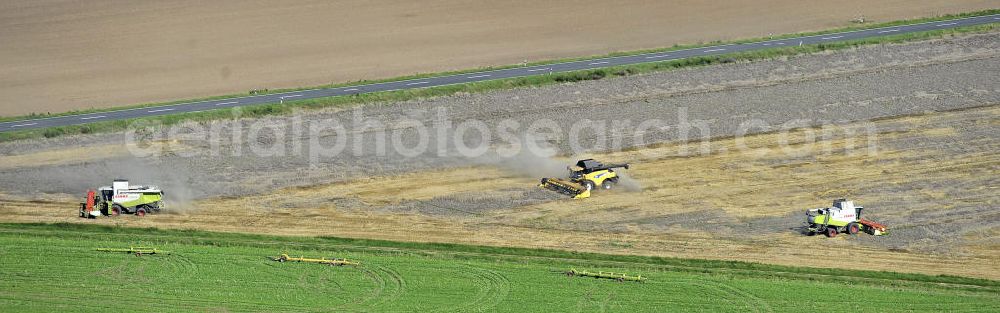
66	55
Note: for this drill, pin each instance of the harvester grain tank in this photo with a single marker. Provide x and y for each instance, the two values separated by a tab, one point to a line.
585	176
122	198
842	217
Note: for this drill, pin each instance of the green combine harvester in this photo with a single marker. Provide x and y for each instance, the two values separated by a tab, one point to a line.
842	217
122	198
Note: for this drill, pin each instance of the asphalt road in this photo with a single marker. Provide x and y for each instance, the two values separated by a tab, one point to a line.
488	75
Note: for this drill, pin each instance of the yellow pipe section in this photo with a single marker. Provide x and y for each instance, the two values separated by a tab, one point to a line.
286	258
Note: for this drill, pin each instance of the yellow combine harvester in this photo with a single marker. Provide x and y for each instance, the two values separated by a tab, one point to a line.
585	176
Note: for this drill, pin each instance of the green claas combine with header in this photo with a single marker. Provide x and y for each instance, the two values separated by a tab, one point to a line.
122	198
842	217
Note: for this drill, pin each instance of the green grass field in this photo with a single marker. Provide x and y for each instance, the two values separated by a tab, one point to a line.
53	267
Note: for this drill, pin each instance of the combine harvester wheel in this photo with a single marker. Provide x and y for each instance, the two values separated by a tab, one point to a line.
853	228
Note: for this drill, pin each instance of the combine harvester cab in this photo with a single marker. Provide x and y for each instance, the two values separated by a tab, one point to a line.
842	217
122	198
584	177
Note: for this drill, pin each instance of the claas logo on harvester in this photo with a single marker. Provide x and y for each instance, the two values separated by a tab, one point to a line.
585	176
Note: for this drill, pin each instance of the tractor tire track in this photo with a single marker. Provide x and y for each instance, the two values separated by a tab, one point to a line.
494	287
730	294
390	285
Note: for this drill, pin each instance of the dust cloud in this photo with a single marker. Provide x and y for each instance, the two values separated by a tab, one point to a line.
529	164
539	163
176	183
627	182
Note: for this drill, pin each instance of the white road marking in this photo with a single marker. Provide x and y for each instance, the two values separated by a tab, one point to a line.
416	83
767	44
92	117
160	110
657	56
599	63
947	24
291	96
230	102
352	89
479	76
832	37
22	125
714	50
539	69
781	43
888	31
